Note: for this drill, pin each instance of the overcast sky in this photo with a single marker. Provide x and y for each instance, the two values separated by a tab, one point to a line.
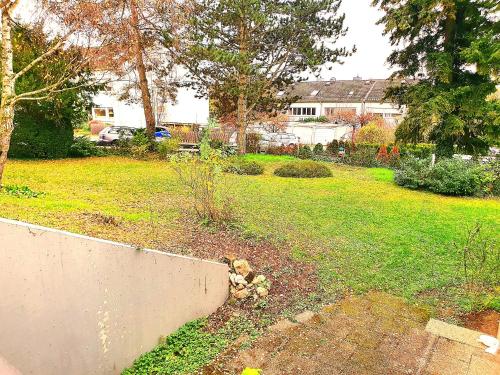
372	47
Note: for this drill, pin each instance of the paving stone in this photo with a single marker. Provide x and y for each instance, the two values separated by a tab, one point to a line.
455	349
454	333
481	366
446	366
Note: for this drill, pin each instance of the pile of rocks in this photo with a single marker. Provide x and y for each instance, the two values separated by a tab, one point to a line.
244	282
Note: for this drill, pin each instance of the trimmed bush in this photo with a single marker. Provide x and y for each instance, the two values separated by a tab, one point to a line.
305	152
38	133
318	149
412	173
459	177
448	177
303	169
333	147
245	167
83	147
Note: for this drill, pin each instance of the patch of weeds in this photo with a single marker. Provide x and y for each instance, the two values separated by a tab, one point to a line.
191	347
184	351
312	301
21	191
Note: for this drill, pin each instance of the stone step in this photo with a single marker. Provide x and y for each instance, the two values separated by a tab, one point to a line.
454	333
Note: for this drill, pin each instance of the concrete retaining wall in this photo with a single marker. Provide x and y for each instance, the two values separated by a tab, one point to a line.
74	305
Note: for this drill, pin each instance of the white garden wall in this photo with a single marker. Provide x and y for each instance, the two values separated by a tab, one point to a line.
72	305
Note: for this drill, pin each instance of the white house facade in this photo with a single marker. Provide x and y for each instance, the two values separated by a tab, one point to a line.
110	108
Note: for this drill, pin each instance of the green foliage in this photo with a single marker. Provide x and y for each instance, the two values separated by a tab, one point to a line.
20	191
168	147
140	144
413	173
364	155
419	150
190	348
184	351
459	177
44	129
83	147
318	149
305	152
480	260
449	106
333	147
244	167
315	119
203	178
235	45
303	169
448	177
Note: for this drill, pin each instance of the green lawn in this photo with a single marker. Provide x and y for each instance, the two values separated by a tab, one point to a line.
362	230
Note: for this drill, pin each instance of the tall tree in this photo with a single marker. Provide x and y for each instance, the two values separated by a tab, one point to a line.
246	51
136	29
455	45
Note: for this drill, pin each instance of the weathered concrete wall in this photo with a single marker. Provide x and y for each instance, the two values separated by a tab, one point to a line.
73	305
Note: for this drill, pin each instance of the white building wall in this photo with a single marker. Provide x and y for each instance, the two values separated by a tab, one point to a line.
187	109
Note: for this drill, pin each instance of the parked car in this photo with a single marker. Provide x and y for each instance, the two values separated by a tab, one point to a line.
277	140
111	135
162	132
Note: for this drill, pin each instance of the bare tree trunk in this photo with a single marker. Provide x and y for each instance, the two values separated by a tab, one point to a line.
242	92
8	84
141	70
242	116
4	150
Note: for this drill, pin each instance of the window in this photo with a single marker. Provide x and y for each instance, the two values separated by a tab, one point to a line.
332	111
306	111
103	113
100	112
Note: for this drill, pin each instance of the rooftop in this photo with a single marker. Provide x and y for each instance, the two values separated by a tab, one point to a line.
342	91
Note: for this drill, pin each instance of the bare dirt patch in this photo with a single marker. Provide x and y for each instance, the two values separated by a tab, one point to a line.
485	321
292	281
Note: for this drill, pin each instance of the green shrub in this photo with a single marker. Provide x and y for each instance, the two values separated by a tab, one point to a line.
245	167
315	119
83	147
412	173
318	149
303	169
305	152
364	155
448	177
419	150
168	147
140	144
459	177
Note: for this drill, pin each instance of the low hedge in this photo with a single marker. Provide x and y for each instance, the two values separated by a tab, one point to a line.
303	169
448	177
245	167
